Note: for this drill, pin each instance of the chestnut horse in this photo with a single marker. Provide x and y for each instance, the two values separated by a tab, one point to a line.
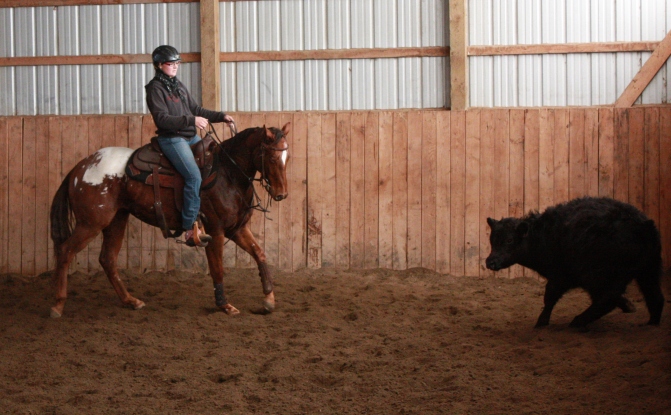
99	196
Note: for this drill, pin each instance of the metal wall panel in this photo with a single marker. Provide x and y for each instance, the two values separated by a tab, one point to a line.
602	25
245	26
568	79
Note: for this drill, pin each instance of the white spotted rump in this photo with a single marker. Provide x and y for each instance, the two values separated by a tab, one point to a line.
107	162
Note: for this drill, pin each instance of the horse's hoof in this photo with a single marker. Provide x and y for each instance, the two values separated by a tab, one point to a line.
268	306
138	305
230	310
54	313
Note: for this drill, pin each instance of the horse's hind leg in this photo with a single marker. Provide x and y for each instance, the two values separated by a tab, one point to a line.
112	241
81	236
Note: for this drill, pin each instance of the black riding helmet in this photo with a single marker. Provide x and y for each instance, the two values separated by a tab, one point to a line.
164	53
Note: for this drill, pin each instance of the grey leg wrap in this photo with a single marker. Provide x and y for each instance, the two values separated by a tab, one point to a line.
266	278
219	295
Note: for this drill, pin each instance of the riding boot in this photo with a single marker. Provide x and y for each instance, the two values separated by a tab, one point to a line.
197	236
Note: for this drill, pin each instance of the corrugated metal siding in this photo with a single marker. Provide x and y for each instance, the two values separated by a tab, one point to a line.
568	79
334	84
91	30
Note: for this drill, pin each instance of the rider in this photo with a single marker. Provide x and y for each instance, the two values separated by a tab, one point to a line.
177	116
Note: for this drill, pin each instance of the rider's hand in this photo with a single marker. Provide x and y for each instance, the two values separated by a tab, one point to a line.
201	123
228	119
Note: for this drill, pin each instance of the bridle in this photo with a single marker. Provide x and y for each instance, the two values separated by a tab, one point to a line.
263	180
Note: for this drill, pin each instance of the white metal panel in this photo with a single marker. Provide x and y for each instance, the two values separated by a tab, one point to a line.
68	75
530	67
362	24
90	24
270	86
7	74
189	74
603	75
269	25
385	24
505	67
315	24
410	83
45	45
409	23
628	28
386	84
156	24
435	75
481	68
135	78
554	66
578	84
433	23
26	76
293	86
227	26
339	84
291	24
653	13
338	24
112	43
184	26
316	88
363	84
229	96
246	25
248	86
667	67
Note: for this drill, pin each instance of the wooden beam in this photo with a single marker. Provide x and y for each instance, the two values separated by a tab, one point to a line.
458	54
325	54
645	75
561	48
209	54
87	59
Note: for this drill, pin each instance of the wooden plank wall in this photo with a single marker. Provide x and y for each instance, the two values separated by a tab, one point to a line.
372	189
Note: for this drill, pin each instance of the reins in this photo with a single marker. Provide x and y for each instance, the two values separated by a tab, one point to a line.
265	183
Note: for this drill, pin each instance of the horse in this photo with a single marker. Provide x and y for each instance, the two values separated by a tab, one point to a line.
98	196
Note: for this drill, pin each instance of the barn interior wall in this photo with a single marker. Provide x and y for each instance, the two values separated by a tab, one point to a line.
368	189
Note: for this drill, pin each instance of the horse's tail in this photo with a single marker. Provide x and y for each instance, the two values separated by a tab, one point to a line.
61	215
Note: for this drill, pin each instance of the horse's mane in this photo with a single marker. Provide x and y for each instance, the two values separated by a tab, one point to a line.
236	140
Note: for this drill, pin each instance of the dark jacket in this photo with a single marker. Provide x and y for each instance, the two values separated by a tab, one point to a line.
173	116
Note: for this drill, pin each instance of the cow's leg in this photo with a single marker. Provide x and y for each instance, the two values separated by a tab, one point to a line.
112	240
81	236
245	240
553	292
600	307
215	262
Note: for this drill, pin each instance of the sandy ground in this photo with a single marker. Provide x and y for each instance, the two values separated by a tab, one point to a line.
340	342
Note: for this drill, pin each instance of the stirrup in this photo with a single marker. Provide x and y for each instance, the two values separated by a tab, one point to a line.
199	237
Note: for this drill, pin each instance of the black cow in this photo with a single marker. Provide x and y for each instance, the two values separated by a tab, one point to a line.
597	244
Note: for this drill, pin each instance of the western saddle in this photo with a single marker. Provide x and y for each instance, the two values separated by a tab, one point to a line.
149	165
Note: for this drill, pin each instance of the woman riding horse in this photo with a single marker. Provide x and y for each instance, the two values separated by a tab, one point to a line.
177	116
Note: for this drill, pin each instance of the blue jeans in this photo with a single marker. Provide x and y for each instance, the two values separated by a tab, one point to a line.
178	151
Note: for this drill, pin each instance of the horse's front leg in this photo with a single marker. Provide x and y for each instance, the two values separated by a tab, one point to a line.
215	261
245	240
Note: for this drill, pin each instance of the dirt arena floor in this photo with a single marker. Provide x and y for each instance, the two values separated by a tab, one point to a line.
340	342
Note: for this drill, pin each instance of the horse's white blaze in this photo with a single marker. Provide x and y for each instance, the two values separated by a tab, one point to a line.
107	162
284	157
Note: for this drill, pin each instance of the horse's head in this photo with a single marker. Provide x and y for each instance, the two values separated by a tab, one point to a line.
272	161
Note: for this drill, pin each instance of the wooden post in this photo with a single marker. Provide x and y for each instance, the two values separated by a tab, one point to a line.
209	54
458	56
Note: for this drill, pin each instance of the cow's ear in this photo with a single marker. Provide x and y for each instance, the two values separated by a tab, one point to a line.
491	222
522	229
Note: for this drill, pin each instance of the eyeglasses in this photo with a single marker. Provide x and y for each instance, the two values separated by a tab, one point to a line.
171	64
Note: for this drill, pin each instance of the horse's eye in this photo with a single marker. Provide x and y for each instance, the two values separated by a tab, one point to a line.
509	241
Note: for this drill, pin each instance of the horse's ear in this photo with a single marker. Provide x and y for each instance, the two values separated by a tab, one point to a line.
270	137
286	128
